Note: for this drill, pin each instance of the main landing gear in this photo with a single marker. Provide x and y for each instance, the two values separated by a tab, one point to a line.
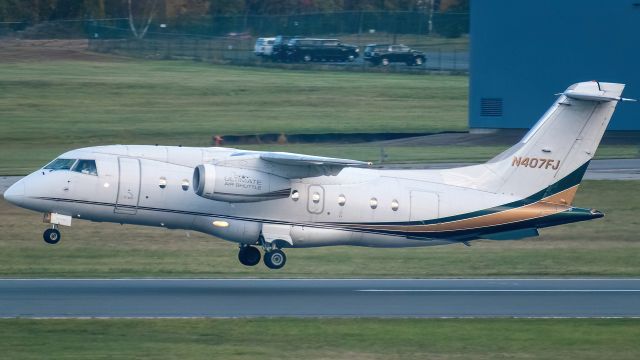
273	258
52	236
249	255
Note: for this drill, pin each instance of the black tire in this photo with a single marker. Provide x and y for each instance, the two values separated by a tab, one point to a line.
51	236
275	259
249	256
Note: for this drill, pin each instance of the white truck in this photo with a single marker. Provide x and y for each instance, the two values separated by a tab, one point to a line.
264	46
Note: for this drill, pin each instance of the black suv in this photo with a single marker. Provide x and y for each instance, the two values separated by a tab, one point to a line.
280	48
307	50
385	54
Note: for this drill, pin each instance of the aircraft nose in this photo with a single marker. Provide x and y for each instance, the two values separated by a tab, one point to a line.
15	193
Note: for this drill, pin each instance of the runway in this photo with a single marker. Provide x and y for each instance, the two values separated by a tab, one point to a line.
183	298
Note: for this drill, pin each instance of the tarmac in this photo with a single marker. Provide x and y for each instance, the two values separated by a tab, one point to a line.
402	298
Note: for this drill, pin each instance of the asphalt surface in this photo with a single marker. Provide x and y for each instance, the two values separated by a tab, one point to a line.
618	169
455	60
43	298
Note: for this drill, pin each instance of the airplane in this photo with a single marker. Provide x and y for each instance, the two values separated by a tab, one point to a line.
276	200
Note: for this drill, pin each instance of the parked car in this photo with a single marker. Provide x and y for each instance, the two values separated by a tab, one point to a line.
280	48
307	50
384	54
264	46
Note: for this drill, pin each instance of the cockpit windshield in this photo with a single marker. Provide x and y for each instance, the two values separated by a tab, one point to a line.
82	166
60	164
86	167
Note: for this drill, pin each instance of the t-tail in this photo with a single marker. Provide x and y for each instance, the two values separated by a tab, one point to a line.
551	159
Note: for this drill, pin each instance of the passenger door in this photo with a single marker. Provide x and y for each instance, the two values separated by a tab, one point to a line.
128	186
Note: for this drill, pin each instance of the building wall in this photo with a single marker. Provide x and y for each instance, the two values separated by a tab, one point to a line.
524	52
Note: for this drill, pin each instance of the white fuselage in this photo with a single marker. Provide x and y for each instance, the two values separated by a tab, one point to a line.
152	185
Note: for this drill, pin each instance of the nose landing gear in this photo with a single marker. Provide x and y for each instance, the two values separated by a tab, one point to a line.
51	236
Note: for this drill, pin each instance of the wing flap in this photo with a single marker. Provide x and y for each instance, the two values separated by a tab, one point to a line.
285	158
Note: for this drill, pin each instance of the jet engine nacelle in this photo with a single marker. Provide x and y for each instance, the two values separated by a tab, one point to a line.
232	184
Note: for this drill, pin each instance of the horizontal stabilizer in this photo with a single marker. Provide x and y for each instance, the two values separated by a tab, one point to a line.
512	235
592	91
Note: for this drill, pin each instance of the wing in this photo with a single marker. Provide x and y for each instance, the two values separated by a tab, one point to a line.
289	165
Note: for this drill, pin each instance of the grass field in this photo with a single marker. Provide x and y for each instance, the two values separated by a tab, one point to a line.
49	107
322	339
603	247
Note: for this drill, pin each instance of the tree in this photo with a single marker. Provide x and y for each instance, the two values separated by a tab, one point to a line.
454	21
147	9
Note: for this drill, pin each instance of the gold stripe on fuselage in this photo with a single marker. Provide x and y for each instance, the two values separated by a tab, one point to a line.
550	205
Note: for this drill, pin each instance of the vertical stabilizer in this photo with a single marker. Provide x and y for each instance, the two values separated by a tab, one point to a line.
553	156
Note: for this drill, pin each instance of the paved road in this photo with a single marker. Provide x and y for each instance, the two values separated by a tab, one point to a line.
617	169
319	298
454	60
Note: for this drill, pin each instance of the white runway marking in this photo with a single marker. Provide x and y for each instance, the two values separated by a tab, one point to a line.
231	298
320	279
499	290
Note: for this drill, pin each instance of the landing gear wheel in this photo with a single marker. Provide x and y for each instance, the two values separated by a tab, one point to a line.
249	256
51	236
275	259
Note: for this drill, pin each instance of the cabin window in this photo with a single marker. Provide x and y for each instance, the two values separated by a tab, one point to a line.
162	182
86	167
342	200
60	164
185	184
315	197
295	195
373	203
395	205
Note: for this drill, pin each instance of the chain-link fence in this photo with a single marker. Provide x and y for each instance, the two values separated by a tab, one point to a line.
441	36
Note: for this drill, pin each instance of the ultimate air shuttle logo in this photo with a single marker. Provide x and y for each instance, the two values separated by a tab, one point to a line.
242	181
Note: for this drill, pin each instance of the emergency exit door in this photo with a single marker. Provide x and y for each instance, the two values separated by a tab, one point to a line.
315	199
128	186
